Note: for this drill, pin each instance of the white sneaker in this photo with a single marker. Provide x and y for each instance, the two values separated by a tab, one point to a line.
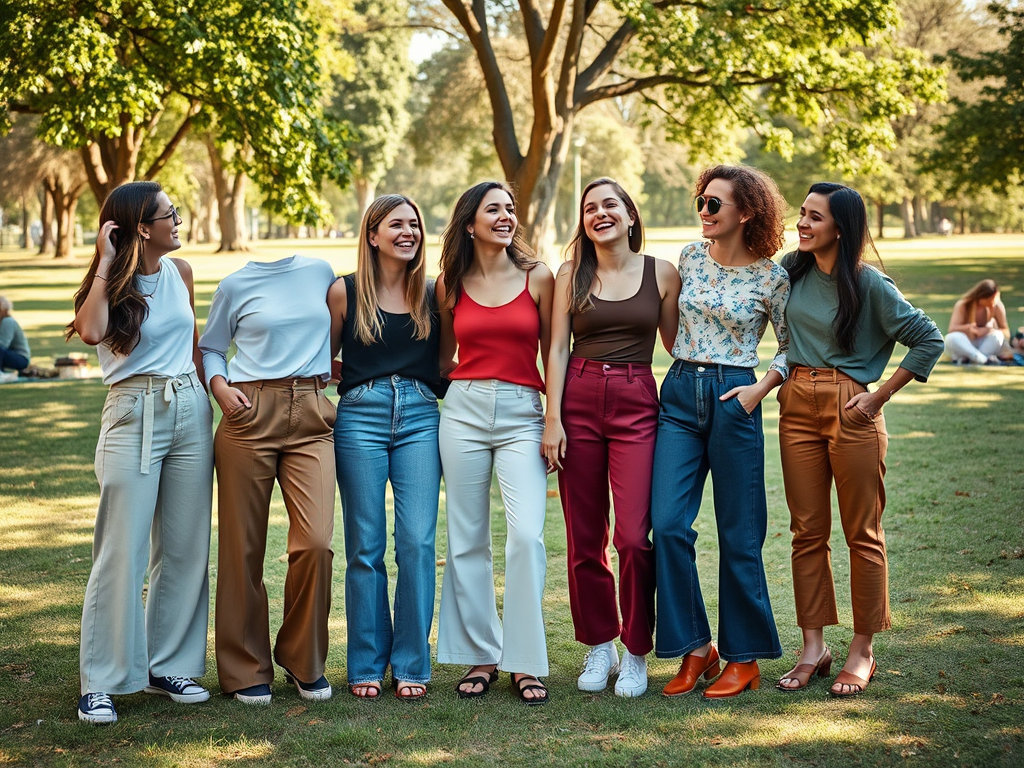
600	663
632	677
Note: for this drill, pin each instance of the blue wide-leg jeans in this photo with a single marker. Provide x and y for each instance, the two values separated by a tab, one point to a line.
387	431
698	433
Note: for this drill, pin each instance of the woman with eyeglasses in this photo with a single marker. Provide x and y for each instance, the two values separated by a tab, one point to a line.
495	303
384	319
711	422
845	318
277	424
602	417
154	462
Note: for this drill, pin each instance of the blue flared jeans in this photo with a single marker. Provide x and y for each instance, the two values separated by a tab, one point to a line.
698	433
387	431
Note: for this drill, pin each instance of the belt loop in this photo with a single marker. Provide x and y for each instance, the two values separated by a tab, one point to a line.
721	374
835	377
629	372
583	365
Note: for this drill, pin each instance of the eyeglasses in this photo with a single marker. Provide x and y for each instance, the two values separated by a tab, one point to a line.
174	213
714	204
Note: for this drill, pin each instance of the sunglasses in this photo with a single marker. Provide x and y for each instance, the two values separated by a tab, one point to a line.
714	204
174	213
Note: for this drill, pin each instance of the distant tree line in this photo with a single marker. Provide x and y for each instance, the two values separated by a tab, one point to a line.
304	111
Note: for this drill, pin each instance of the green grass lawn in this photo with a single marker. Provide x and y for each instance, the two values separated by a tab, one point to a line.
950	684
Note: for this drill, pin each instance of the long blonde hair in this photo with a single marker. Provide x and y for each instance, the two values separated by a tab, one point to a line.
369	324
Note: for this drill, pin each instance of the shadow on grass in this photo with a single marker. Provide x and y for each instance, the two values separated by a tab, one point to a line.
949	690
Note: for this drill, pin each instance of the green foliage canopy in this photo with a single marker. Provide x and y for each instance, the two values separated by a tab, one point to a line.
373	97
983	140
835	65
101	75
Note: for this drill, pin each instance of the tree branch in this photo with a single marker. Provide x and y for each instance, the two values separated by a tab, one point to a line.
172	145
475	25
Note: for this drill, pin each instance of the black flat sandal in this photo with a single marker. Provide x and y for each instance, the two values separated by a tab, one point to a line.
484	680
520	689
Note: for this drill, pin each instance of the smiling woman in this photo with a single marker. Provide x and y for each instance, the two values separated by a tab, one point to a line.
385	322
496	309
711	421
154	462
612	301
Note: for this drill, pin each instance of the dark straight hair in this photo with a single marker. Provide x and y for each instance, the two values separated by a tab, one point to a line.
583	254
457	251
851	217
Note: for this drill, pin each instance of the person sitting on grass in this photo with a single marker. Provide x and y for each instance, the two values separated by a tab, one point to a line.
978	326
14	350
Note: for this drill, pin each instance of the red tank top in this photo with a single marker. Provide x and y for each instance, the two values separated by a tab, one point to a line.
498	342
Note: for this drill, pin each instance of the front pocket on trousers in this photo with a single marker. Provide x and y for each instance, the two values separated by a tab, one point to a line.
328	411
121	409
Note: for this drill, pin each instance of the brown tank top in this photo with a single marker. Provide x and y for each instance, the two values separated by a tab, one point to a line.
621	331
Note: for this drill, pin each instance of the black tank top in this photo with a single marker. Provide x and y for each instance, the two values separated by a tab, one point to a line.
396	352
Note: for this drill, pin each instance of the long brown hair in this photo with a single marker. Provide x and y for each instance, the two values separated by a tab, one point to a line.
985	289
127	206
369	324
583	254
457	245
758	197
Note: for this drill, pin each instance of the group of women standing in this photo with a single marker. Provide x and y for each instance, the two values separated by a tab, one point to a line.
492	311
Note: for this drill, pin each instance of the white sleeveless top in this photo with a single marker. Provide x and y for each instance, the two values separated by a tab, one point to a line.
165	342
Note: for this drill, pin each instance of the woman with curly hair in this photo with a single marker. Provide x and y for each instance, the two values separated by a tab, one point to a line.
711	421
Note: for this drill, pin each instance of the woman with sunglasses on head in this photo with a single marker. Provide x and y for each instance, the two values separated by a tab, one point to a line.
845	318
154	462
602	417
277	424
495	303
384	319
711	421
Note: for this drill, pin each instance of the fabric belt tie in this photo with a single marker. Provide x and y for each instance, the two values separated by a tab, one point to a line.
148	409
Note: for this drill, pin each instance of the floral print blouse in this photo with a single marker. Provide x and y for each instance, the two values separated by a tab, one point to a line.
723	311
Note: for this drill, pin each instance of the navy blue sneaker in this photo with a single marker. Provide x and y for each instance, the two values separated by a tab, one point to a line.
183	690
320	690
254	694
97	708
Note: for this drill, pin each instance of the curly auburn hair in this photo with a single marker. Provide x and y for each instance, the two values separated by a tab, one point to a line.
758	197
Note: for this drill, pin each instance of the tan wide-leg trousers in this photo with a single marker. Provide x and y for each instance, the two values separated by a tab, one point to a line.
821	440
287	434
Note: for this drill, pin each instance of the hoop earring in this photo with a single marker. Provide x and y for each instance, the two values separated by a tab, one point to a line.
471	236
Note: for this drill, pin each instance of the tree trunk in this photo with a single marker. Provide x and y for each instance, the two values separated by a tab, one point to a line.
65	201
881	218
924	222
45	221
907	212
365	191
963	221
26	239
230	190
